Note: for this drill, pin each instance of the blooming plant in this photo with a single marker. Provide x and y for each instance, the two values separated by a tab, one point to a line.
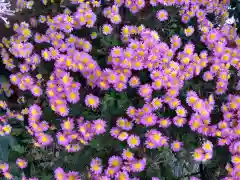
122	89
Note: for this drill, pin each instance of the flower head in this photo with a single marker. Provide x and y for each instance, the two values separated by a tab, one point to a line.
138	165
96	166
99	126
133	141
21	163
162	15
107	29
59	174
176	146
92	101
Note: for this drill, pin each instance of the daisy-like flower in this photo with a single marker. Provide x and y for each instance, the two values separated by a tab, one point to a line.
149	120
207	146
92	101
110	172
62	139
162	15
107	29
115	162
116	19
198	154
113	77
36	90
72	175
93	35
189	31
122	136
213	36
67	125
46	55
7	175
134	81
4	167
62	110
21	163
208	76
181	111
59	174
179	121
116	52
73	97
131	111
121	122
145	90
138	165
164	122
133	141
127	155
99	126
122	175
115	132
44	139
207	156
96	166
156	103
176	42
176	146
7	129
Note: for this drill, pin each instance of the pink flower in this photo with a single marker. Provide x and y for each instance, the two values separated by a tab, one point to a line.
133	141
162	15
138	165
99	126
145	90
176	146
96	166
21	163
92	101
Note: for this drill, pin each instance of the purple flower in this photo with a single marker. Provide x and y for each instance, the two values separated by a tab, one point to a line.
99	126
176	146
133	141
149	120
92	101
162	15
138	165
115	162
96	166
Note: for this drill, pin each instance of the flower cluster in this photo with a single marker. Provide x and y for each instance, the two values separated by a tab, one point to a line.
62	89
204	153
4	167
38	128
5	127
60	174
74	137
119	167
26	82
112	13
169	66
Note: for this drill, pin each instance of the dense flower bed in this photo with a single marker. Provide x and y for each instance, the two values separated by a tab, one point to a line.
123	89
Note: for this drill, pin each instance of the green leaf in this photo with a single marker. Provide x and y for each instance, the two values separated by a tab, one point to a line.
3	81
18	148
76	109
4	147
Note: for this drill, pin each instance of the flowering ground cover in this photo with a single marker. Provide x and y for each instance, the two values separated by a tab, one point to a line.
121	89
